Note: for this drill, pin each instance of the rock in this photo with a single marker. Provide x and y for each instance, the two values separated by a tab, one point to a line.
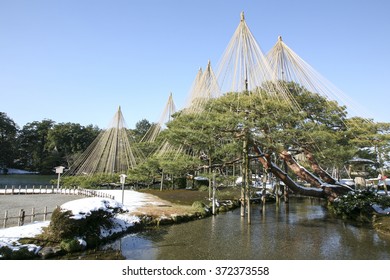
48	252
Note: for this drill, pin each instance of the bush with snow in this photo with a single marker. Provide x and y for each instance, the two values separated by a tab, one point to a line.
360	204
86	219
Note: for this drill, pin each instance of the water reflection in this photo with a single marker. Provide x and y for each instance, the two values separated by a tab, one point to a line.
301	229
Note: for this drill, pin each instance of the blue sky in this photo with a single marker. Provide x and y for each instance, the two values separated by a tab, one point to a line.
78	60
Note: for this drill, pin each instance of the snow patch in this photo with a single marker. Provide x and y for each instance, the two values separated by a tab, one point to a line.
82	208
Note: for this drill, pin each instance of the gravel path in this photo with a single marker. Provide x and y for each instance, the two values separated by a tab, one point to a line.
13	204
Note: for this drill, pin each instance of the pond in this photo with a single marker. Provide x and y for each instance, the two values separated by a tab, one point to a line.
23	180
302	230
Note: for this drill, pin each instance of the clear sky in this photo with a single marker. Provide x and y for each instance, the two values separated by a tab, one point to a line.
78	60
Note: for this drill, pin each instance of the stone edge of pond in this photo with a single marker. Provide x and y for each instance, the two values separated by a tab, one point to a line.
150	221
381	224
147	222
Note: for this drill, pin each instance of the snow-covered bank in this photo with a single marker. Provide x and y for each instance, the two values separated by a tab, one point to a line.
132	200
9	237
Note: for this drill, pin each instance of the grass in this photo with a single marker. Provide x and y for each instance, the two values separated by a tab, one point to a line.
187	197
180	201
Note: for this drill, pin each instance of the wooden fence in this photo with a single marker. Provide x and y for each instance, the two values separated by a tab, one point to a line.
24	218
93	193
37	190
14	190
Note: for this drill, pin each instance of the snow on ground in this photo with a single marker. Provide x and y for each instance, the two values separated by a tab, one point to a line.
132	200
9	237
82	208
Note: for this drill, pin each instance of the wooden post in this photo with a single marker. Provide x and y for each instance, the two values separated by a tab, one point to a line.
214	210
5	219
277	188
264	189
45	213
248	197
22	215
234	174
162	181
32	214
243	182
285	193
383	177
210	182
245	175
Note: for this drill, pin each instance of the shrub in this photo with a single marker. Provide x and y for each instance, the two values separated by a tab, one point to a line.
201	208
203	188
71	245
64	227
359	204
61	226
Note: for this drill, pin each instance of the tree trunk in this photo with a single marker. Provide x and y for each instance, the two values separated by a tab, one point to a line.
299	170
283	176
325	176
327	191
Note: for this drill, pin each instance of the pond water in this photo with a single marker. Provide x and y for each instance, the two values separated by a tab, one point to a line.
301	230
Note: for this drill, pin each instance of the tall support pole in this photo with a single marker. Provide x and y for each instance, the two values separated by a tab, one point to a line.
245	197
234	174
114	162
244	177
245	191
247	187
214	188
264	188
285	186
210	182
162	181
